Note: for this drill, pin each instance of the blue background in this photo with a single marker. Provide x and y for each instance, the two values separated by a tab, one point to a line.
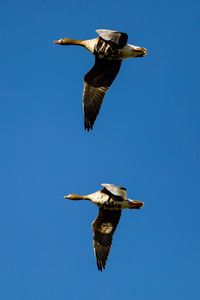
146	138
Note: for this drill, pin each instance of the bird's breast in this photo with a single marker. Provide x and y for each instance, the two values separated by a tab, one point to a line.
90	45
106	201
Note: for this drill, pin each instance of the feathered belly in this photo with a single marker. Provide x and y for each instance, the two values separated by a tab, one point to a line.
110	205
108	202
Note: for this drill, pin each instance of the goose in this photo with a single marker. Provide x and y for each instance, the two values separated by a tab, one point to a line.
110	200
109	49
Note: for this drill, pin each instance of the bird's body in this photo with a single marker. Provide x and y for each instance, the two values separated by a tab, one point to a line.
110	200
110	48
105	50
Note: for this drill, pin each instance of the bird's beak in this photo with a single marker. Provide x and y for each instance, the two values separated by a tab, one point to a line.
139	52
58	42
67	197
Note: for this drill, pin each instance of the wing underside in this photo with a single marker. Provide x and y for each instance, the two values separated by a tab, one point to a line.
96	83
103	229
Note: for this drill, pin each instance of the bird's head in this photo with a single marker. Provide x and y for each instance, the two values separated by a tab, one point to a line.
70	196
74	197
61	41
66	41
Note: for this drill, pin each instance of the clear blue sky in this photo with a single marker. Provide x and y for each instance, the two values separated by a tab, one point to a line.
146	138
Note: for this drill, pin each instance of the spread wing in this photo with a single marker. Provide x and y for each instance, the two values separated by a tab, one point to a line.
96	83
119	38
115	190
103	229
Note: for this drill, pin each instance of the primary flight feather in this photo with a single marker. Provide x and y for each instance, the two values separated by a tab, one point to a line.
110	48
110	200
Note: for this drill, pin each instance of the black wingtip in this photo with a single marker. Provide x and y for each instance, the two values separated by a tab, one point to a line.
101	266
88	126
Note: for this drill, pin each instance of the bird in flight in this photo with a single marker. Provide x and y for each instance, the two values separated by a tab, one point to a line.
109	48
110	200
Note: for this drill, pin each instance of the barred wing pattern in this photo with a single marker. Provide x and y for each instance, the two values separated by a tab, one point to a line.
103	229
115	190
119	38
96	83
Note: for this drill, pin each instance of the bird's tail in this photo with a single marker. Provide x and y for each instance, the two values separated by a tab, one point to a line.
134	204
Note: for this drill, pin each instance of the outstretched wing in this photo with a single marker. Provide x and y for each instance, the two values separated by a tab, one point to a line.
119	38
115	190
96	83
103	229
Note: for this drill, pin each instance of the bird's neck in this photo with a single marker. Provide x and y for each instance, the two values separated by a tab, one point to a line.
66	41
76	197
88	44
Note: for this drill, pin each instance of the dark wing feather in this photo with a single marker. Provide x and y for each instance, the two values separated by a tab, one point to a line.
96	83
103	229
119	38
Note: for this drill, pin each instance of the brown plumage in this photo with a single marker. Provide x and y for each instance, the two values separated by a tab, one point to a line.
110	48
103	229
96	83
110	200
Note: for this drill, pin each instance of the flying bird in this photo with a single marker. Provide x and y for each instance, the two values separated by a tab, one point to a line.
109	48
110	200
